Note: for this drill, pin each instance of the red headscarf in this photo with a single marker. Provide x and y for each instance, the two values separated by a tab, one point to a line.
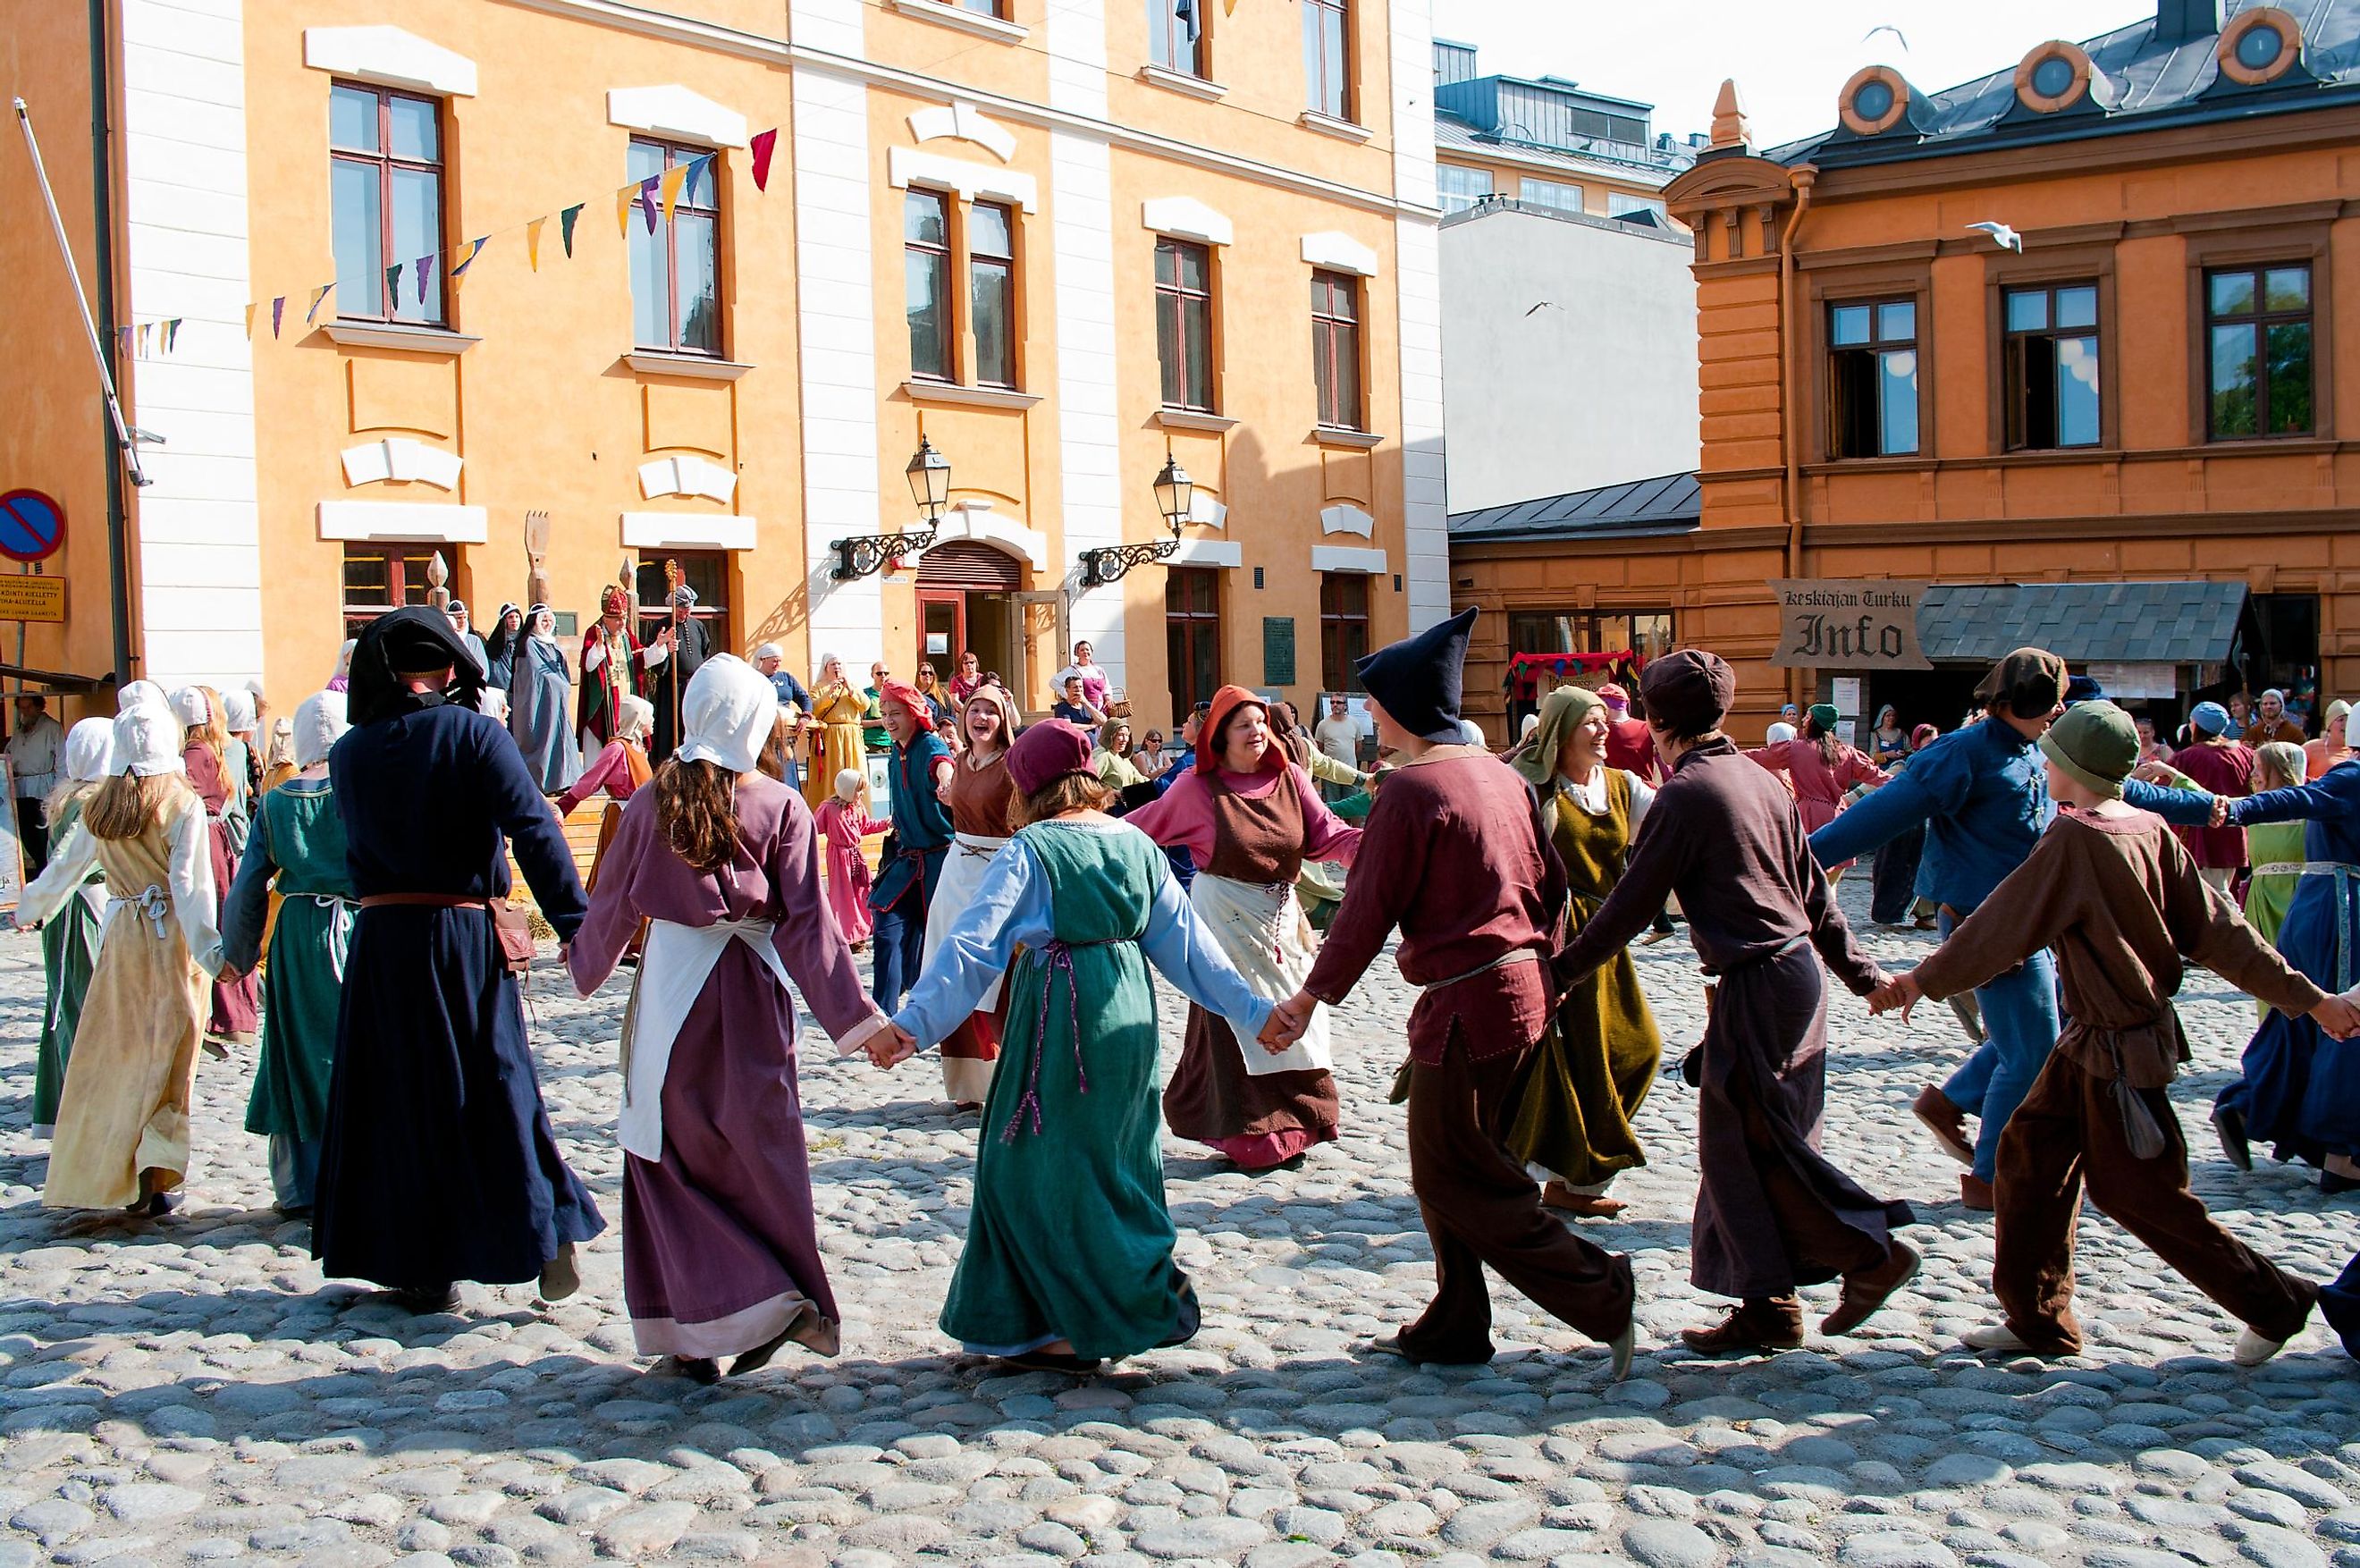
907	696
1226	702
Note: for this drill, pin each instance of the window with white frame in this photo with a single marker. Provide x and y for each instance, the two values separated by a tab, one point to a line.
1553	194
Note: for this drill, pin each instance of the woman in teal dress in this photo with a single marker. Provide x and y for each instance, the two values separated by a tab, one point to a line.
297	837
1068	1258
70	937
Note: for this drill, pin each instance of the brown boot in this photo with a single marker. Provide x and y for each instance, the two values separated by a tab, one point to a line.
1866	1290
1772	1322
1974	1192
1946	1122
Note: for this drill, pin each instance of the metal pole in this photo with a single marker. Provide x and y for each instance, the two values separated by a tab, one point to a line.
118	579
88	327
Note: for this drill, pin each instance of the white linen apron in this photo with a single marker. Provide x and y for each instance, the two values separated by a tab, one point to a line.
967	1082
1263	931
673	968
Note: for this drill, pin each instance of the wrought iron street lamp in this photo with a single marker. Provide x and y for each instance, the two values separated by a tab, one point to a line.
1175	496
929	473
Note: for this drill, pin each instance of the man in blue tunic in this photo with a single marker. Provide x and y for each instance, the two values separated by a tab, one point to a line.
1981	794
437	1161
912	860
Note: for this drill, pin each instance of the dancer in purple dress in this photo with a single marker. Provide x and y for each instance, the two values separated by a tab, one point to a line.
720	1251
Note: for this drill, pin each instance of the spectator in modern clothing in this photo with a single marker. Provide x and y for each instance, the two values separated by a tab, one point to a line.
1339	733
1149	758
1085	668
2221	764
33	752
1075	707
2241	714
2272	722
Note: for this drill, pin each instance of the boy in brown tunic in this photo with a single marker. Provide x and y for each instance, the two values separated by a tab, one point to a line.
1454	855
2113	891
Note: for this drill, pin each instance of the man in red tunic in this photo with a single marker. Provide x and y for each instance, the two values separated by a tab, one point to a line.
1454	856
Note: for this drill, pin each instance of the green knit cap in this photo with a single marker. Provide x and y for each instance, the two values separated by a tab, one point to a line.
2097	745
1825	716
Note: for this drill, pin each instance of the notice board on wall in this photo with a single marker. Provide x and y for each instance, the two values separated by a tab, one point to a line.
1278	650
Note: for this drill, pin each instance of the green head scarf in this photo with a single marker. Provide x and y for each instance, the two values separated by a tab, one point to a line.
1563	712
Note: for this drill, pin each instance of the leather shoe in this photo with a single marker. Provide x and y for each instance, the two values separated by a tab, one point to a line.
1867	1289
1974	1192
559	1277
1774	1323
1581	1205
2230	1128
1946	1122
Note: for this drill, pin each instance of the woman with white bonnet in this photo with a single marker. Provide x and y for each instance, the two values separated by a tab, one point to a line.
122	1138
237	1002
296	849
70	937
239	756
539	685
721	1247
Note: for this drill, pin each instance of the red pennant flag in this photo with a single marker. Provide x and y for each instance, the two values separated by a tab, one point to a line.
565	221
648	199
764	144
278	309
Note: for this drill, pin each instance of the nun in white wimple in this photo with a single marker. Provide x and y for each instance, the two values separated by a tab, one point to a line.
720	1248
70	936
297	843
122	1138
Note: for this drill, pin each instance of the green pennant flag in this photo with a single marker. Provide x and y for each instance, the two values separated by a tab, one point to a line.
565	221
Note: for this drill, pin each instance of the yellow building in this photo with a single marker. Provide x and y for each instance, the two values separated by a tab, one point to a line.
740	260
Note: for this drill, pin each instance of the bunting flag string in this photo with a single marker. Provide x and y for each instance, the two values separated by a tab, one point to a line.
765	143
532	242
278	309
673	181
423	265
565	222
474	249
172	333
318	294
393	283
648	199
623	200
696	168
249	323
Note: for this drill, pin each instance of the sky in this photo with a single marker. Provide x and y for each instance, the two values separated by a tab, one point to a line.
1789	60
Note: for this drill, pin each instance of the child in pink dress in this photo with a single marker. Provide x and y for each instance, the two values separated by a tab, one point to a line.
844	822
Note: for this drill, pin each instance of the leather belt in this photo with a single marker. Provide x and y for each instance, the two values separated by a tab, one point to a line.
424	900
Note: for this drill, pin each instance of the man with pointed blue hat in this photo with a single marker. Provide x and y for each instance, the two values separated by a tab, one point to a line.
1454	856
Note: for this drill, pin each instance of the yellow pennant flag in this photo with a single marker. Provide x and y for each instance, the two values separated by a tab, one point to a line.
532	242
249	323
1229	8
623	200
672	180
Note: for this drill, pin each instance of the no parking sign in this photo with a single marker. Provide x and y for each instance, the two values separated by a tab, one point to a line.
32	525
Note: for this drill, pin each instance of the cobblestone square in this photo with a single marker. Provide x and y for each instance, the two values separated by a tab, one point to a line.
194	1391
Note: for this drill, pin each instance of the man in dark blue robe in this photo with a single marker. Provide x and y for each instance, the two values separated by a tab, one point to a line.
914	850
438	1162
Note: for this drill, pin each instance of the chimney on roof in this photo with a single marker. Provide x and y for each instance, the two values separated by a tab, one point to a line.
1730	129
2185	21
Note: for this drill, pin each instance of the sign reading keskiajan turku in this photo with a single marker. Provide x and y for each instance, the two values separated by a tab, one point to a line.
1848	623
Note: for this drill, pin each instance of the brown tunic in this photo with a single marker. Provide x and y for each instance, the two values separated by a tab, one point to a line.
1211	1096
982	799
2120	900
1772	1213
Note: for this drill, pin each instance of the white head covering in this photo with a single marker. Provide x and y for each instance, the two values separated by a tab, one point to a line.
319	722
768	650
344	656
637	713
191	708
138	692
146	741
533	627
1532	722
848	783
89	746
728	713
1781	731
238	711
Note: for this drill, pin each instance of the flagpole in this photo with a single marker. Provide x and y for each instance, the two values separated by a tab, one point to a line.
88	327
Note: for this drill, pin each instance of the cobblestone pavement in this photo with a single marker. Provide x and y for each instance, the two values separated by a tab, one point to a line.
195	1391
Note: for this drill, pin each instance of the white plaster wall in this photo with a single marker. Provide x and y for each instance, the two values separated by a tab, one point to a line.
1425	538
1568	356
196	528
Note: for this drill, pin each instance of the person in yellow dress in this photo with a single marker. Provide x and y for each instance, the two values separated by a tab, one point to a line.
837	708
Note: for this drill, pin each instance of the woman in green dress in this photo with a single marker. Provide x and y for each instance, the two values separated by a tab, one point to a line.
1591	1074
1068	1258
70	937
297	837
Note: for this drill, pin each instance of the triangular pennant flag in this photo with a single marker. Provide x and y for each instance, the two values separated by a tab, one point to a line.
318	294
172	332
648	199
144	335
673	180
249	329
565	226
696	172
765	144
393	281
423	266
532	242
278	309
624	198
474	249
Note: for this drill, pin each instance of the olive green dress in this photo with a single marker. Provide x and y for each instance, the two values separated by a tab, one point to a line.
68	952
1594	1068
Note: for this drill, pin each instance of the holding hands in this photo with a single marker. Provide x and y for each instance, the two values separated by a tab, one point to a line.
2338	1016
1899	991
892	1046
1288	1019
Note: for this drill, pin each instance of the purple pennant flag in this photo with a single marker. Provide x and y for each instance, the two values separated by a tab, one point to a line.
424	264
278	309
648	199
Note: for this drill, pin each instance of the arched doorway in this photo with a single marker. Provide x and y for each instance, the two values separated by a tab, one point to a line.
967	602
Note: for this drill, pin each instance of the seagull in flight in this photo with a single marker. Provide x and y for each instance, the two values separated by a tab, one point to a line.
1886	27
2002	236
1543	306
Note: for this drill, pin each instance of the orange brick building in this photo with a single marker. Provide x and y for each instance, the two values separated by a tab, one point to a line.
2146	394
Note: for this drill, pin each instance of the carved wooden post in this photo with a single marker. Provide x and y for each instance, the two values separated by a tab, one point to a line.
536	557
438	575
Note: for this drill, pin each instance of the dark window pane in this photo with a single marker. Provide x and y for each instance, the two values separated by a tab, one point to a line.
2077	307
2077	391
418	230
2233	293
2286	288
1196	268
1167	265
987	231
995	362
359	237
368	579
1900	393
1171	350
1197	316
1852	404
352	119
414	133
693	241
2027	310
2290	379
929	328
1848	324
2236	380
1896	322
